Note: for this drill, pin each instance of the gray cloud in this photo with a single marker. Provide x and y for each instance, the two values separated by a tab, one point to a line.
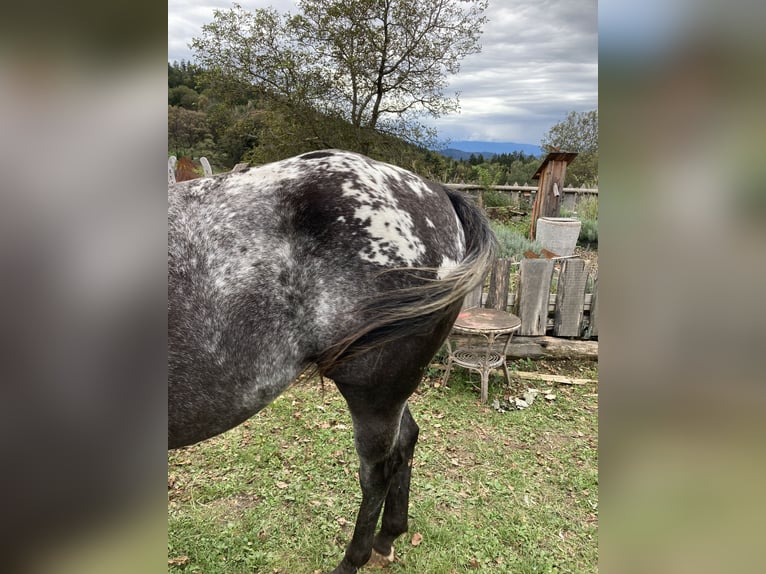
539	61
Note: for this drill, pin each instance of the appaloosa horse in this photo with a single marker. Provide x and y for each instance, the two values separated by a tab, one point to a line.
328	259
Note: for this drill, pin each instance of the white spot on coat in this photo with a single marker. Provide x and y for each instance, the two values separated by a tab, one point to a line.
446	267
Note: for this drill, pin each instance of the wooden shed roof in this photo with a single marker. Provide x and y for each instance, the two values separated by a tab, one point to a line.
566	156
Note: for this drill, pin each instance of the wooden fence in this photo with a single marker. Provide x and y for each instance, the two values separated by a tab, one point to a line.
524	195
556	297
556	300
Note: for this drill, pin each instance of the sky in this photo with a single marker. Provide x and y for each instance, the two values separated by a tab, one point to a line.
539	61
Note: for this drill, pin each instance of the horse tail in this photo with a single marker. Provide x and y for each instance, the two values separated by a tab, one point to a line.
481	245
409	311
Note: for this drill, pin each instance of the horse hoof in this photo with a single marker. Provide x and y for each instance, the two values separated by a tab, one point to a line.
378	560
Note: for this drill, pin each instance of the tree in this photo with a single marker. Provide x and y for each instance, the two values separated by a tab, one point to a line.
578	132
183	96
184	73
186	130
380	65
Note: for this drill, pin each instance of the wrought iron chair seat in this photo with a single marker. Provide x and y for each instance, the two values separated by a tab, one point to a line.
495	326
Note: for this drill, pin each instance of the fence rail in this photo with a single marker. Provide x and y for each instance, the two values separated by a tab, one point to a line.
515	187
524	195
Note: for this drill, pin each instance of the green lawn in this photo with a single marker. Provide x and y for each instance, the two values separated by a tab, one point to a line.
503	492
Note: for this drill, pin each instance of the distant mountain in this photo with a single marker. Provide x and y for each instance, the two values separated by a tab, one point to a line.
464	149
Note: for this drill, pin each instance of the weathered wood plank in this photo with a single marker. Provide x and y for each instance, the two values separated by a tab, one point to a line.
551	301
499	281
570	298
593	326
541	347
552	348
473	298
569	202
534	290
530	376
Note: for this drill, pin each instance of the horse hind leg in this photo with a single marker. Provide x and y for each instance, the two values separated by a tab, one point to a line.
376	387
396	507
377	422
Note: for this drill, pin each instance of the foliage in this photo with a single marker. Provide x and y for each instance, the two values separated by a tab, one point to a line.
513	492
513	244
183	96
486	178
578	132
494	198
587	213
588	233
583	171
187	130
502	169
184	73
238	122
379	66
587	207
588	236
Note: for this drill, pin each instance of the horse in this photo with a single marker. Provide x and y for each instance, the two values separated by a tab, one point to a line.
328	261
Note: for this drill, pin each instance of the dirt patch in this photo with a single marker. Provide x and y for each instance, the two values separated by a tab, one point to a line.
234	507
589	255
552	441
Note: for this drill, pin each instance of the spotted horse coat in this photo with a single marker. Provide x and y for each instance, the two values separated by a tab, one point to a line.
330	259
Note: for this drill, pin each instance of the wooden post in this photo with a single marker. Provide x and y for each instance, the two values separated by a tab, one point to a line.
534	292
473	298
593	326
570	298
499	280
569	202
551	175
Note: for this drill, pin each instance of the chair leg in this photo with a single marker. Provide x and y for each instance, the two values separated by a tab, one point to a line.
447	371
505	370
484	385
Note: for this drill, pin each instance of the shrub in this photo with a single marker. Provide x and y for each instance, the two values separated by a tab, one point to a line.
588	232
587	213
494	198
513	244
587	207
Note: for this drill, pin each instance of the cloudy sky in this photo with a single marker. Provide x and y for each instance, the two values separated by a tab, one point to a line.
539	61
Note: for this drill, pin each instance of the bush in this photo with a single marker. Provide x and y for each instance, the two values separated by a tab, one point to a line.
588	232
494	198
512	244
587	208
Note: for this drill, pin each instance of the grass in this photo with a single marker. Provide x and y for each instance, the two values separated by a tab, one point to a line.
502	492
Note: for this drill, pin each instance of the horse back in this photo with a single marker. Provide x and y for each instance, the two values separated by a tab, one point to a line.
271	266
